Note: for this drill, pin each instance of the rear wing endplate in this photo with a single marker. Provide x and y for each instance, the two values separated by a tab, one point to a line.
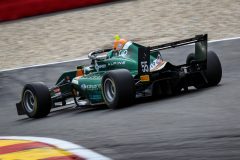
200	51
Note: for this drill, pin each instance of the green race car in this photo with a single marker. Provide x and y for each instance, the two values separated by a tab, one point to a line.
119	77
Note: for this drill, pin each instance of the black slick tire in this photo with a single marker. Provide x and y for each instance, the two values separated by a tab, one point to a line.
118	88
36	100
213	73
214	69
190	58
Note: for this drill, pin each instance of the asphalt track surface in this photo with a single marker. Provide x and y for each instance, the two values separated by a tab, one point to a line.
201	124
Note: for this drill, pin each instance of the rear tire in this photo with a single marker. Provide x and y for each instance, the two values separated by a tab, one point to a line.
36	100
190	58
214	69
118	88
213	73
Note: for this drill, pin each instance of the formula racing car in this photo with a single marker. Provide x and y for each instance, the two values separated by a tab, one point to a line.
121	76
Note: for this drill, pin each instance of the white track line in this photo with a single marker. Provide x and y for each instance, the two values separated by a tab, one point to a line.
68	146
74	60
225	39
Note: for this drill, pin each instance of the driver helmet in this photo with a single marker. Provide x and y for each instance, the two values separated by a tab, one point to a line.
118	42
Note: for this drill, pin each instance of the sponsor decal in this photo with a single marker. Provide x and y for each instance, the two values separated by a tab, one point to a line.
83	86
92	87
117	63
156	62
123	53
101	66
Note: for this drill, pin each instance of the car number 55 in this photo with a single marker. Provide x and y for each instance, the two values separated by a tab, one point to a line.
145	67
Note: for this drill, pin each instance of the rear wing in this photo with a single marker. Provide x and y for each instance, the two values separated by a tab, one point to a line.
200	51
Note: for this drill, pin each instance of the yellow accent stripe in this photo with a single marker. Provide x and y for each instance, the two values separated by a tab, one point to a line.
6	142
35	154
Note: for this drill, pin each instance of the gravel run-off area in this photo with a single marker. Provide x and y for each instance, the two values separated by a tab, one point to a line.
72	34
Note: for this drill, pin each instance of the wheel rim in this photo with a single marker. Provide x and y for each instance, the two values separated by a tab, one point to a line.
28	100
109	90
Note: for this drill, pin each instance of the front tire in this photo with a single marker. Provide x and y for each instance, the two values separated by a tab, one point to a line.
36	100
118	88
